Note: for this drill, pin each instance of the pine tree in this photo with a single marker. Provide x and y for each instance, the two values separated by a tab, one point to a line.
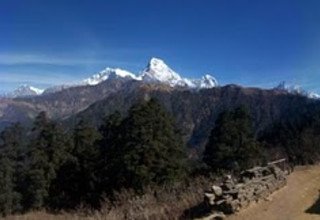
151	148
46	152
298	139
231	144
77	180
109	152
61	157
10	197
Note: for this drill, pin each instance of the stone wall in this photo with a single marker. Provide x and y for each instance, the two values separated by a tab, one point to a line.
253	185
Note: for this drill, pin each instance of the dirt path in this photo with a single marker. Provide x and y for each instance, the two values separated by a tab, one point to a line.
291	202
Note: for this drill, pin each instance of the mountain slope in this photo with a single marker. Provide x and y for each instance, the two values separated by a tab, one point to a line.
196	111
58	104
194	104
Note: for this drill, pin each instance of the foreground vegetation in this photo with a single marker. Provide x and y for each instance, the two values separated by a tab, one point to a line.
180	201
136	167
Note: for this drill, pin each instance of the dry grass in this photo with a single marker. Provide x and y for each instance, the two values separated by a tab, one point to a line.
167	203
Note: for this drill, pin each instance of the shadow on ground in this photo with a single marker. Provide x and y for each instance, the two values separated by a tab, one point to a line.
197	211
315	208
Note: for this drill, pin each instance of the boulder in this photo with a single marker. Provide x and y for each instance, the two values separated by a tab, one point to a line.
217	190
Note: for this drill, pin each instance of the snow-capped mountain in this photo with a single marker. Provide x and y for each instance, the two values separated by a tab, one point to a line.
295	89
109	73
313	95
206	82
58	88
289	88
156	71
25	91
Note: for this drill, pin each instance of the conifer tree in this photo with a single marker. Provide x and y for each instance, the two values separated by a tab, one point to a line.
10	197
109	152
231	144
77	179
151	147
46	151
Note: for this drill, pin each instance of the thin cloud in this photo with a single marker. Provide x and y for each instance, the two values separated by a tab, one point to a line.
29	78
34	59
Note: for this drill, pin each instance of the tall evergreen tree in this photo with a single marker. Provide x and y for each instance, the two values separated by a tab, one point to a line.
297	137
46	151
151	148
10	197
109	152
77	180
231	144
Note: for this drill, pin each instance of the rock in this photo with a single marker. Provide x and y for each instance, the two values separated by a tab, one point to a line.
214	215
217	190
210	197
254	184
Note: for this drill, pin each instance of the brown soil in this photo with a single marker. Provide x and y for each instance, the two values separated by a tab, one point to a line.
299	200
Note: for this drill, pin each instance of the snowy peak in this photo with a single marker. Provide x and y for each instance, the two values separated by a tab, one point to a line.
295	89
108	73
313	95
157	70
58	88
208	81
25	91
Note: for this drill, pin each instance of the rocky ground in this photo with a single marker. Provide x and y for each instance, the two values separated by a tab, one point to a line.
299	200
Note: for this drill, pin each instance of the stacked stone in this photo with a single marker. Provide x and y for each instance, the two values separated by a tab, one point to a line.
254	184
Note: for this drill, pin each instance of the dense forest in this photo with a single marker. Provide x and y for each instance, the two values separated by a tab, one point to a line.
49	167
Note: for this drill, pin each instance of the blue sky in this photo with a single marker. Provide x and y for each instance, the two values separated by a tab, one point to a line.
248	42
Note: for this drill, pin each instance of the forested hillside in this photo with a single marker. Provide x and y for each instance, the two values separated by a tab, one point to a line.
50	167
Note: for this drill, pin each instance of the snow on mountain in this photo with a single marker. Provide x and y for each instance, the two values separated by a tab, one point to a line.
313	95
206	82
295	89
109	73
58	88
25	91
289	88
36	90
158	71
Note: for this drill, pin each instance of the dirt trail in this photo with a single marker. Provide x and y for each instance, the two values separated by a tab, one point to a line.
291	202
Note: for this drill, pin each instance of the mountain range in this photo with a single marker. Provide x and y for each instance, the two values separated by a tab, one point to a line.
156	71
194	103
